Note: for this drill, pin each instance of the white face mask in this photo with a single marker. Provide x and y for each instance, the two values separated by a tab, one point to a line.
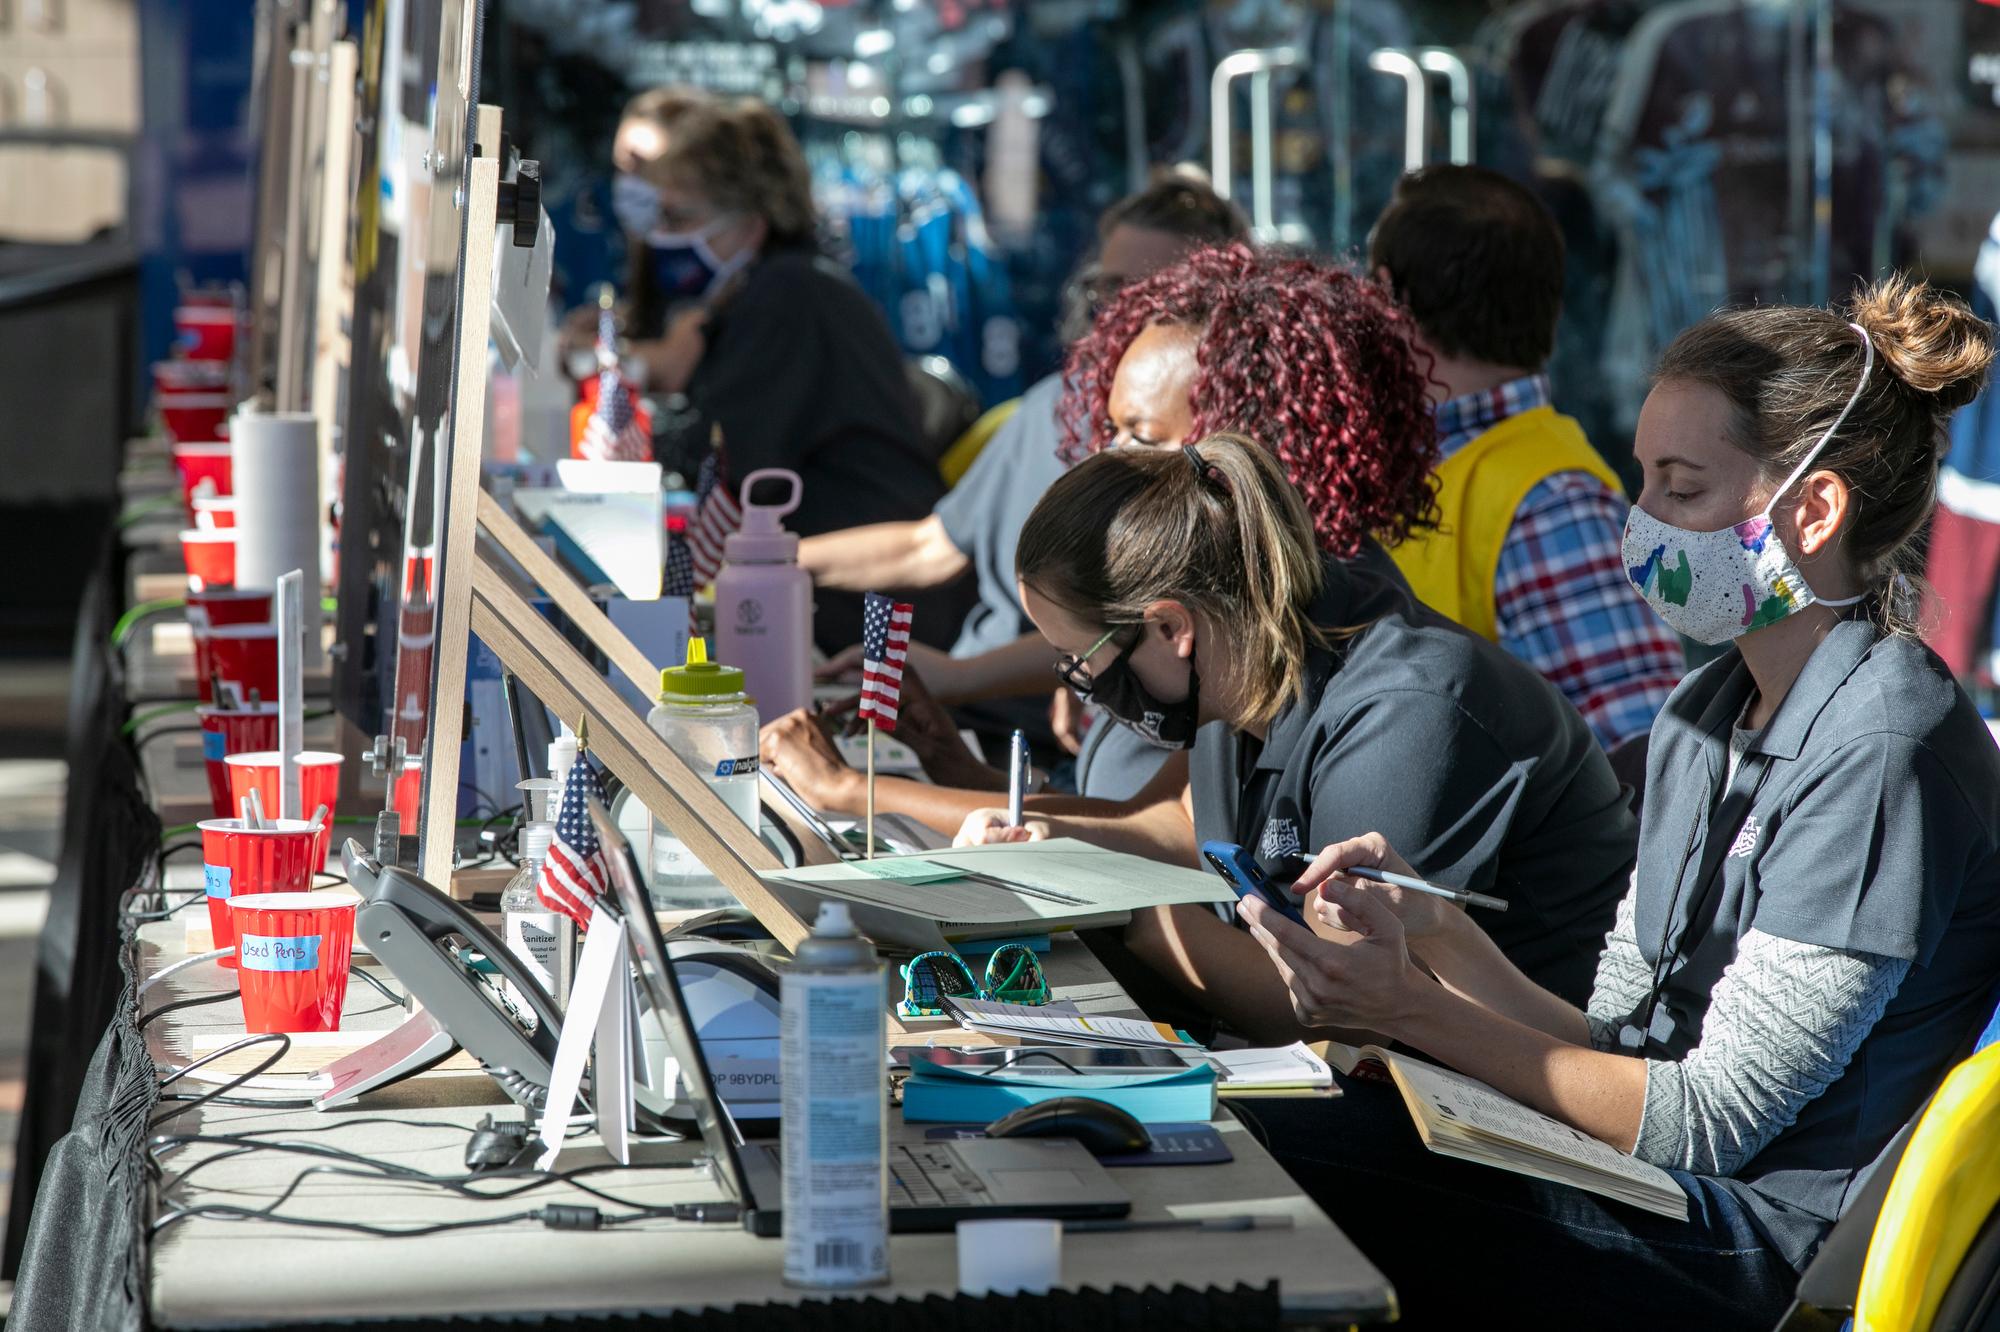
1717	586
635	203
685	265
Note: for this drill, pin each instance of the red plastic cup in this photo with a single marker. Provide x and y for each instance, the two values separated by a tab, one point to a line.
226	731
214	511
293	951
244	655
214	607
200	414
319	784
210	558
206	461
205	332
237	861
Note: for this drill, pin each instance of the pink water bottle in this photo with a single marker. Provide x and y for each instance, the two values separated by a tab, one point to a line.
764	605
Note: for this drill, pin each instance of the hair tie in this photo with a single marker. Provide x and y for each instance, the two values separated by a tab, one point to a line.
1204	470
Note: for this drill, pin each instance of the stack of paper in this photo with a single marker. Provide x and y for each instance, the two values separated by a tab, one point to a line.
1463	1117
1050	1026
1291	1071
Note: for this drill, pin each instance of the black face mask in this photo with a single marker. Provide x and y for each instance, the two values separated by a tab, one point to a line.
1122	694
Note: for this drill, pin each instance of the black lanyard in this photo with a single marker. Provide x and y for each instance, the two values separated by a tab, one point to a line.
1723	825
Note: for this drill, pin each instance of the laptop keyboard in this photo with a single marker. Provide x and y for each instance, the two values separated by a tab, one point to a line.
931	1177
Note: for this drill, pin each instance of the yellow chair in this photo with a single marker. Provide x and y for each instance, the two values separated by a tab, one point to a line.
965	450
1934	1258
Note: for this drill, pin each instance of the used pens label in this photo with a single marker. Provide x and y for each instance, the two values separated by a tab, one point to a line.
215	878
278	952
212	745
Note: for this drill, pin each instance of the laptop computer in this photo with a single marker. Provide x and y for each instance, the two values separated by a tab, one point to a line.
932	1185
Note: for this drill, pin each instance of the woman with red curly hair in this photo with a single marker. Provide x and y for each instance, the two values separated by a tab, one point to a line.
1309	360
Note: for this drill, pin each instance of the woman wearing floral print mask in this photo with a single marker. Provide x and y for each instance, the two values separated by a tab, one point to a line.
1813	925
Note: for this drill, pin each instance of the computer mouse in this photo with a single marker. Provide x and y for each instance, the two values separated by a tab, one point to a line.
1103	1128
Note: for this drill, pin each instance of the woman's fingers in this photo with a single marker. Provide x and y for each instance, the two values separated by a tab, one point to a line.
1370	850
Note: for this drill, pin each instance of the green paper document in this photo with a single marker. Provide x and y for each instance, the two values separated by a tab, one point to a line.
971	892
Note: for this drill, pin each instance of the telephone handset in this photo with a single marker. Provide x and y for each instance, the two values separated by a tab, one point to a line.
404	922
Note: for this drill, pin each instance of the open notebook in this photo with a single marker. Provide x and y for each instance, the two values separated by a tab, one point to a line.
1463	1117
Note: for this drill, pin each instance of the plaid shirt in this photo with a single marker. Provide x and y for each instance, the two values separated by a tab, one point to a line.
1563	602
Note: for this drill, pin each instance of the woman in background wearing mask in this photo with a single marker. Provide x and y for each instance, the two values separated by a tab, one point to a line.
732	305
1813	927
1187	593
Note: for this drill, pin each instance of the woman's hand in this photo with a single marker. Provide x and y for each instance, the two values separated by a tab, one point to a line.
797	750
1422	915
984	827
1357	975
933	666
671	360
932	735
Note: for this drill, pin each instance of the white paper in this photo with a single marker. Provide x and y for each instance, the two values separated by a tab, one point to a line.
611	1082
603	953
1291	1066
1071	1028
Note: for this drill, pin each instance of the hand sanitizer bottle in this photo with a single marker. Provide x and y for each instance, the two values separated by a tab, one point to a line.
536	933
763	603
834	1094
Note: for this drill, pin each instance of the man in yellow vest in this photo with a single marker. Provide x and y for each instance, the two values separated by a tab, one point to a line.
1526	551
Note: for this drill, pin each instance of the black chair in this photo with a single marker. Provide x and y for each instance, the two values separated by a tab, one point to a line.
946	404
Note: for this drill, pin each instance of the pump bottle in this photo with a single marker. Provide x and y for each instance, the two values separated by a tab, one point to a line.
763	603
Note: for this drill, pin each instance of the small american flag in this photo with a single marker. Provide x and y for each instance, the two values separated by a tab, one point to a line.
885	642
614	433
716	515
575	873
679	580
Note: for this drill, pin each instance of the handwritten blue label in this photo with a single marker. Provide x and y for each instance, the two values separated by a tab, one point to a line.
212	746
215	878
273	952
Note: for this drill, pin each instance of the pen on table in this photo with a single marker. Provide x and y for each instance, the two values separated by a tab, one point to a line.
1209	1223
1017	778
1457	895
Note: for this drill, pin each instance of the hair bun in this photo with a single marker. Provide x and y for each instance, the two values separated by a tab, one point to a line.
1931	341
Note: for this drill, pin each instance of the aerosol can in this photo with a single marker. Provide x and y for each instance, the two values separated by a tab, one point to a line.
835	1126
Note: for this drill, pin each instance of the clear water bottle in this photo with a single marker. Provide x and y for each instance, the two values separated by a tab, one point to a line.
706	718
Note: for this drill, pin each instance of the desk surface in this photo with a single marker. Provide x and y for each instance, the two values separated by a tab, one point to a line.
211	1272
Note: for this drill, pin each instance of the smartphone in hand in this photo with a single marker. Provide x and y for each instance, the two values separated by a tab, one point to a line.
1240	870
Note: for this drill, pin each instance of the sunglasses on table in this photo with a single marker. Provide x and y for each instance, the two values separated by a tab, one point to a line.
1013	976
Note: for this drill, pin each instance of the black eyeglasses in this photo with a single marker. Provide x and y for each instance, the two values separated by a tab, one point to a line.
1072	670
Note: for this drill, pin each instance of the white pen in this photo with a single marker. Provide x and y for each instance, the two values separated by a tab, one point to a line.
1457	895
1017	778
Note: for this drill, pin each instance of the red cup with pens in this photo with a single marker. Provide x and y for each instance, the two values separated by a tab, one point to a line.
319	784
244	729
244	656
252	854
293	952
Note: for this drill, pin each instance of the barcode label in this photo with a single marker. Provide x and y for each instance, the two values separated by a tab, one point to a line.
837	1253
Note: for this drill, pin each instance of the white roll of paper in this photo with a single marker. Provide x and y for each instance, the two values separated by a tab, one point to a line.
274	459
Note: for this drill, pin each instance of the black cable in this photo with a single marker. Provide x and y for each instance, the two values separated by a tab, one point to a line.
179	1004
234	1084
1249	1121
244	1102
146	917
380	988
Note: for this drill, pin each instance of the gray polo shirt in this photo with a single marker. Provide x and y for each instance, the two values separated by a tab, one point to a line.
1473	766
1866	817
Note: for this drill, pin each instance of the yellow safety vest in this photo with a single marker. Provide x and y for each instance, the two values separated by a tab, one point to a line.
1480	489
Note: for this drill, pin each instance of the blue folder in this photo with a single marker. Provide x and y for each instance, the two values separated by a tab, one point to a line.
938	1094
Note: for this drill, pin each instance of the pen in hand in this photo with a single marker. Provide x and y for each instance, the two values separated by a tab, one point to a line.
1405	882
1017	778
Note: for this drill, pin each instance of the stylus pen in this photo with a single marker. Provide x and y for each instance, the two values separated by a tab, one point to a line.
1212	1223
1457	895
1017	778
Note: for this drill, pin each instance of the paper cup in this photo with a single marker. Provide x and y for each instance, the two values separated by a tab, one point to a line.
213	512
210	557
237	861
194	415
244	655
208	461
205	332
226	731
292	952
319	784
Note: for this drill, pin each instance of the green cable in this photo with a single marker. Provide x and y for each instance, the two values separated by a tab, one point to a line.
329	605
145	508
123	629
141	718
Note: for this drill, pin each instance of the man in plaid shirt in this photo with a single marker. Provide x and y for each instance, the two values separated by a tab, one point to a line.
1478	261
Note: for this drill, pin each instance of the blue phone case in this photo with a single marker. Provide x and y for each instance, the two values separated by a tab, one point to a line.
1239	868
